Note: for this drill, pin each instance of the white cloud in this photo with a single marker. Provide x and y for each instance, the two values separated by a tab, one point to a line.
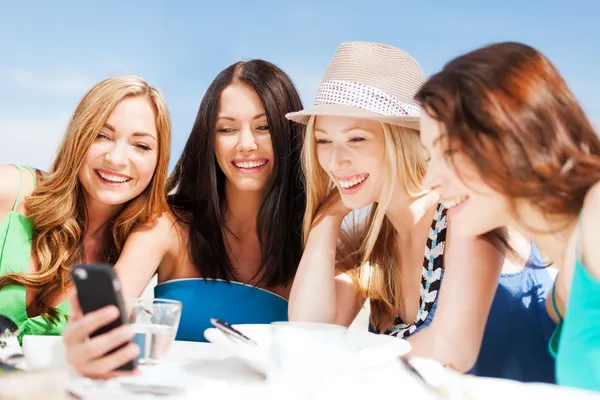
26	141
53	81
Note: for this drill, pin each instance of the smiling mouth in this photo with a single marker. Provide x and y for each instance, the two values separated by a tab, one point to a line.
249	165
349	183
456	201
112	179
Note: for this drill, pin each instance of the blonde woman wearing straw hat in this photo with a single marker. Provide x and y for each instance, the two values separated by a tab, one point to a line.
362	147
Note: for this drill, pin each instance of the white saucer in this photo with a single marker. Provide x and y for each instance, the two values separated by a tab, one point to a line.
374	350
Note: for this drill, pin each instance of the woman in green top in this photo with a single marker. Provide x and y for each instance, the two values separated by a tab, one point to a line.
109	175
510	145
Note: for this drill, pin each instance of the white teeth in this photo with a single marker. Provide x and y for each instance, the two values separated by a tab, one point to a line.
112	178
448	204
250	164
352	182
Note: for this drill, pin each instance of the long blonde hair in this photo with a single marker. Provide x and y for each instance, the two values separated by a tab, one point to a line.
367	251
57	207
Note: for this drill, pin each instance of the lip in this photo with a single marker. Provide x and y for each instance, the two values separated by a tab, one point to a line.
252	170
109	172
451	212
354	189
348	177
113	173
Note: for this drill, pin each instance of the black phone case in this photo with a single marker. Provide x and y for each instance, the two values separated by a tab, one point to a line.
97	287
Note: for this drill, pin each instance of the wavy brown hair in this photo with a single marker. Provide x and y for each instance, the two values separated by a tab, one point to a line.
57	206
507	108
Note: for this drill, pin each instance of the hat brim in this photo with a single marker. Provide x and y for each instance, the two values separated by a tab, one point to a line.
341	110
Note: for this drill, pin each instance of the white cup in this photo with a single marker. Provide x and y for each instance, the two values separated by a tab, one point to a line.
308	355
44	352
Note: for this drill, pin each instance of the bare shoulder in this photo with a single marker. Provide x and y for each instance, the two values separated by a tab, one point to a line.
588	234
591	209
161	227
10	181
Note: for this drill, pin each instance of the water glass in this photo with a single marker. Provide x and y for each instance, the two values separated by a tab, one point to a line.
155	323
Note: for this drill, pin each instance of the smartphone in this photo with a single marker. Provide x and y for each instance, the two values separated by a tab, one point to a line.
97	287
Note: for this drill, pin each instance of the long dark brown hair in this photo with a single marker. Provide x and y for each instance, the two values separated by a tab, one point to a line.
198	184
507	108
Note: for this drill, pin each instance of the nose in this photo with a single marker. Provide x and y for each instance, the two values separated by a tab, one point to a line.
117	155
433	177
338	158
246	141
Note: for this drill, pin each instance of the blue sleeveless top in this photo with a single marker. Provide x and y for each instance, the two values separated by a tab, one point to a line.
234	302
518	328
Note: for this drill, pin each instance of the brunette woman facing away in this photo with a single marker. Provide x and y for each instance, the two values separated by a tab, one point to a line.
511	146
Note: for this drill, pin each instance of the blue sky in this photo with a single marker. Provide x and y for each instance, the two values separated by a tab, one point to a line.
52	52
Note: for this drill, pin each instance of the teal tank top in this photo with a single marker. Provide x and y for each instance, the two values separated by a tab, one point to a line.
576	343
16	232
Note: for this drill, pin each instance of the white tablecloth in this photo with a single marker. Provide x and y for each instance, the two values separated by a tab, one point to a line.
203	369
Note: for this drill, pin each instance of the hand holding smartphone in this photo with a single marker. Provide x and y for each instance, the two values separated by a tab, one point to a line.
97	287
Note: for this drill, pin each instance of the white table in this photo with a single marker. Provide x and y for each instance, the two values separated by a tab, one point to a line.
206	370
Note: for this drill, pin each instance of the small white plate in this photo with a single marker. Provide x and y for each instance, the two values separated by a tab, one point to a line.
374	350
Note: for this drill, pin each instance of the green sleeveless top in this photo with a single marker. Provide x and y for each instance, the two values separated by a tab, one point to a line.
16	232
576	340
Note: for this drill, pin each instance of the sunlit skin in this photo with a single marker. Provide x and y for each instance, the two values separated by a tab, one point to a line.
352	152
473	206
243	142
120	163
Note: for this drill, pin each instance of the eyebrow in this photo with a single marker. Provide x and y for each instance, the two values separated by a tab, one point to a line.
353	128
257	116
135	134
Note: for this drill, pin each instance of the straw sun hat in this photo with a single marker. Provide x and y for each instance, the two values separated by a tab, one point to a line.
369	81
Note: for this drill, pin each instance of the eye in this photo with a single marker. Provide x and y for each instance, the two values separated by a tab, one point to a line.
143	146
357	139
323	141
263	128
102	136
225	130
449	152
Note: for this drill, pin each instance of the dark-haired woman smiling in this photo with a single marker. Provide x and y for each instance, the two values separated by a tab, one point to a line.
230	245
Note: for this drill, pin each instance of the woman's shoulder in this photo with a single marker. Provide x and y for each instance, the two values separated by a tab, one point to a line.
14	183
165	223
590	215
592	199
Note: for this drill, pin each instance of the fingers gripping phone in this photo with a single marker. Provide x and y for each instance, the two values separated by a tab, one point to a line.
97	287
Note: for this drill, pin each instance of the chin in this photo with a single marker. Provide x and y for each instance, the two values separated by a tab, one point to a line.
355	204
250	185
469	230
258	187
114	200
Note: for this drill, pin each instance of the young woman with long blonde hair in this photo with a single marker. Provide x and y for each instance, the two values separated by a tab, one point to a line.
425	283
108	176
